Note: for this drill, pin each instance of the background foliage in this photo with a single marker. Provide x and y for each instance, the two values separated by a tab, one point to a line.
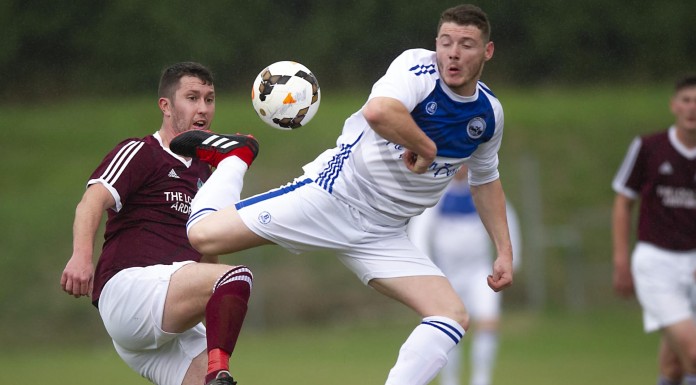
577	79
575	142
53	49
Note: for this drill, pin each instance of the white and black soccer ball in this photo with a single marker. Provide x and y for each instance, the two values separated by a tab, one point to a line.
286	95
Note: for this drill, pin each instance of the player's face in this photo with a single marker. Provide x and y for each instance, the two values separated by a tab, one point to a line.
684	108
461	52
193	106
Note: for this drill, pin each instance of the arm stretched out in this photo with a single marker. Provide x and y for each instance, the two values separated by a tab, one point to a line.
489	199
78	275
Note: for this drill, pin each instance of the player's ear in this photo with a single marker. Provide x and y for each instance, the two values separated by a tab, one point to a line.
164	106
490	47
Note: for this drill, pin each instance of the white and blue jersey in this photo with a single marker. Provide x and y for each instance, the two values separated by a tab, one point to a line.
366	171
357	198
457	202
453	236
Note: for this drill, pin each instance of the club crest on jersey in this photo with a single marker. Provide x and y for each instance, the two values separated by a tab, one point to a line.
265	217
431	108
476	127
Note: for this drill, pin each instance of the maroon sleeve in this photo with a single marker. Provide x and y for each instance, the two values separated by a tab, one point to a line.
124	169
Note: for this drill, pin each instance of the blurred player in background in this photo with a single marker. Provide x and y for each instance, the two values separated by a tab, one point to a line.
152	289
452	234
425	118
659	170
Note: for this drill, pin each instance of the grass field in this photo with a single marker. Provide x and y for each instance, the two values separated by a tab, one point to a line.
577	136
595	348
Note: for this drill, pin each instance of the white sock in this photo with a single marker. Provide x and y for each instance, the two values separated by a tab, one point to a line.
425	351
484	347
452	372
222	189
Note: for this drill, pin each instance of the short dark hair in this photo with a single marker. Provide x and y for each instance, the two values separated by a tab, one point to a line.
685	82
169	81
467	14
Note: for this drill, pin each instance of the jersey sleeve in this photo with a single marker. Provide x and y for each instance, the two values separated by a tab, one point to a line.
400	82
483	163
123	170
627	181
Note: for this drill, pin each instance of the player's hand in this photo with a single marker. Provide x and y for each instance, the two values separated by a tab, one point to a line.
416	163
78	277
623	281
502	274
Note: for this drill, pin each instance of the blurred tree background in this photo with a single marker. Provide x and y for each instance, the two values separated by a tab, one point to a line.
50	49
92	52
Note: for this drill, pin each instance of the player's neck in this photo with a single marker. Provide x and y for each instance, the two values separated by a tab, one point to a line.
166	136
687	137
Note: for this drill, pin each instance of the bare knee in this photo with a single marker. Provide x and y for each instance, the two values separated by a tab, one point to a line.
201	240
462	317
456	312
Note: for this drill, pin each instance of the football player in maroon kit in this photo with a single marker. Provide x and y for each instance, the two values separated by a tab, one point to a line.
152	289
659	170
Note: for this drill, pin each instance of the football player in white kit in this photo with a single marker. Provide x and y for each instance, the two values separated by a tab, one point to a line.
452	234
659	170
426	117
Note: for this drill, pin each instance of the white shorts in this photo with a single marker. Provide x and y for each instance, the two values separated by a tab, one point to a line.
131	306
665	285
461	248
303	217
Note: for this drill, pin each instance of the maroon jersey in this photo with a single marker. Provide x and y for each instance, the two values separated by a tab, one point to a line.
153	189
661	171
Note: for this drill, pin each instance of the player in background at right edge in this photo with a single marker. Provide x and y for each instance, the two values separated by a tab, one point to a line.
660	171
452	235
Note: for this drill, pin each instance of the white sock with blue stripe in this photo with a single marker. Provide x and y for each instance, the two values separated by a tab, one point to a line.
223	189
425	351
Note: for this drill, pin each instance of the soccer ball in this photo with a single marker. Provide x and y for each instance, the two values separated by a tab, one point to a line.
286	95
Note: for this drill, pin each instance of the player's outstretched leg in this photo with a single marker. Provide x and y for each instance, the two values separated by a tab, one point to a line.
231	155
213	148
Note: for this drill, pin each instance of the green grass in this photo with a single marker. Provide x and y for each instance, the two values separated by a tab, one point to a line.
576	136
596	348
